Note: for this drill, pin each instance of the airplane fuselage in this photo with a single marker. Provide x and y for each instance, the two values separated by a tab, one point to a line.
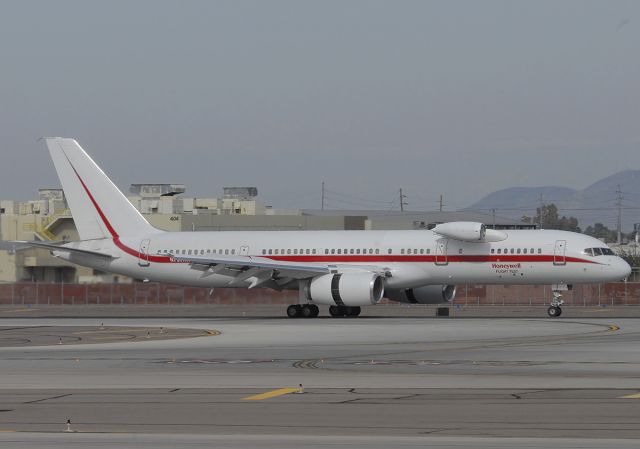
413	258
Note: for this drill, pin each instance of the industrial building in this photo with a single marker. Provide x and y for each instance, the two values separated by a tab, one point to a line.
48	219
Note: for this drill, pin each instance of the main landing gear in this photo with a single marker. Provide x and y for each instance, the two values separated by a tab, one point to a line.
303	311
554	309
340	311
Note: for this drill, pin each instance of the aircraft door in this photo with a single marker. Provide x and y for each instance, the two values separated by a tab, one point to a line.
143	254
559	253
244	250
441	252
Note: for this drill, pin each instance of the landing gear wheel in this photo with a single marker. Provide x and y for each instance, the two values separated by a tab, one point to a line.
554	311
336	311
352	311
315	311
307	311
294	311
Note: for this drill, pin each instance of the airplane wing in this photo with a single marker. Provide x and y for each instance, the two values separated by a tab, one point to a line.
60	247
260	270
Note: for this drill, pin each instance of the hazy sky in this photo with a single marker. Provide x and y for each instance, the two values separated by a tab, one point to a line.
452	97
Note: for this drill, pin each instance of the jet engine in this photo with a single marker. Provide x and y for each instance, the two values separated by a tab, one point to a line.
429	294
346	289
466	231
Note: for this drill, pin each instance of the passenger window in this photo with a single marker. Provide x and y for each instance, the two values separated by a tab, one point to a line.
233	251
339	251
493	250
377	251
460	251
333	251
389	251
358	251
226	251
189	252
402	251
518	251
351	251
295	251
276	251
531	251
428	250
271	251
345	251
539	250
513	251
524	251
308	251
313	251
421	250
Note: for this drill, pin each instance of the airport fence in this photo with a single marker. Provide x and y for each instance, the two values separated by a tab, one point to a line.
31	294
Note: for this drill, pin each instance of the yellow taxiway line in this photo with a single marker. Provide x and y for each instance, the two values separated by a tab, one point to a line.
271	394
630	396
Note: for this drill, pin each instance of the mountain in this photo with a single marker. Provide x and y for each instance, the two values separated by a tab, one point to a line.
596	203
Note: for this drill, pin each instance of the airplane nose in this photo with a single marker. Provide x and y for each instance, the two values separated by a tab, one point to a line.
622	268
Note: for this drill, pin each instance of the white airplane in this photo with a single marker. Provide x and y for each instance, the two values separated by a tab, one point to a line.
342	269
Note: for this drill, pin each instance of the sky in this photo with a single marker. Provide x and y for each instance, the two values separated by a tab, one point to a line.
458	98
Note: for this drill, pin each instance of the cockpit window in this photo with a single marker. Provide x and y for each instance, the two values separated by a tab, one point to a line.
598	252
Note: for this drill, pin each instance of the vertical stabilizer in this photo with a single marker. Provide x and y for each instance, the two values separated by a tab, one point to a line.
99	208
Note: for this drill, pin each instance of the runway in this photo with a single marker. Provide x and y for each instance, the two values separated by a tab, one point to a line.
421	381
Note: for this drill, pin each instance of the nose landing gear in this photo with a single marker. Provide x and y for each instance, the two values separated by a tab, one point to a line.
554	309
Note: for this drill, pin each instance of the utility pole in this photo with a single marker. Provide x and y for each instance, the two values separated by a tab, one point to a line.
441	203
619	199
402	201
541	218
322	206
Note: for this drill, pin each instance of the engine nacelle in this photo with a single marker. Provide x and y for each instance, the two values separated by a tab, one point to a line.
429	294
348	289
467	231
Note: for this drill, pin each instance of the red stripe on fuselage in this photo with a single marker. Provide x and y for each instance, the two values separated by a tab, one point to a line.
340	258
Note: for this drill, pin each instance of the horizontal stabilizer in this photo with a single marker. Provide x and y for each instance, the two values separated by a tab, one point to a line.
61	247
